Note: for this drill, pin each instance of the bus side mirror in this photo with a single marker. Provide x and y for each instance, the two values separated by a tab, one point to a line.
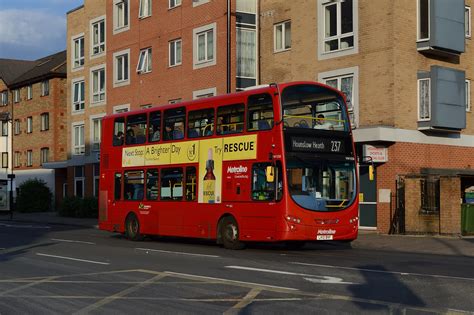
371	172
270	174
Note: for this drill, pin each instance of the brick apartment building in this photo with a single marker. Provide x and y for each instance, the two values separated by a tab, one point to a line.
108	39
86	97
34	95
406	67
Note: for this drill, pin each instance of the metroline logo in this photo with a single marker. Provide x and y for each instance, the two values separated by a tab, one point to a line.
237	169
326	232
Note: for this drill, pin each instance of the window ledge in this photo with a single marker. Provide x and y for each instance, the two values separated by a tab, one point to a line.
204	64
101	54
121	29
74	69
281	50
121	83
172	8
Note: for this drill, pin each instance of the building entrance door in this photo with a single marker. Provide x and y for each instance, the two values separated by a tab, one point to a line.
367	199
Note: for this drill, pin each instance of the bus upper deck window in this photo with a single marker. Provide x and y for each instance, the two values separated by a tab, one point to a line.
260	112
154	130
136	129
201	123
230	119
119	128
174	120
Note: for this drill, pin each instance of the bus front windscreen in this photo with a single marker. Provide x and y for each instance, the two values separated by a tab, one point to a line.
314	107
321	185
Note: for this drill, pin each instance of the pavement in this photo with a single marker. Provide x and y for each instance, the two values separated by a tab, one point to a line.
422	244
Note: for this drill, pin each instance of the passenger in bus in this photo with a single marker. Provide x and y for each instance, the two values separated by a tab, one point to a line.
118	139
130	137
156	134
168	134
322	123
178	131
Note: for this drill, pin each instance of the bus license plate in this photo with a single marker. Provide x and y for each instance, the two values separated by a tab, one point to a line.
324	237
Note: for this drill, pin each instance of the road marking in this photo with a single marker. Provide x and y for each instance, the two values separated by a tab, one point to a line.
246	300
25	226
311	278
119	295
251	284
75	259
385	271
178	253
71	241
3	293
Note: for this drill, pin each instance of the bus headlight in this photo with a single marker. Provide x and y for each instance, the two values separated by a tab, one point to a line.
292	219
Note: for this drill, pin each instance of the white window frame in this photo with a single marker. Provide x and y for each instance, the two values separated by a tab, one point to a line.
341	73
42	155
199	2
5	127
283	36
45	88
468	95
468	22
99	93
16	159
4	98
125	27
5	161
418	38
29	124
29	92
322	54
102	47
123	81
95	146
173	52
203	30
79	60
173	4
74	82
145	61
429	99
44	119
175	101
29	158
95	178
145	9
78	149
204	93
16	126
79	179
16	96
121	108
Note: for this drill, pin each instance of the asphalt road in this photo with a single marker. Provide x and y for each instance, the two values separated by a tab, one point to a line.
47	269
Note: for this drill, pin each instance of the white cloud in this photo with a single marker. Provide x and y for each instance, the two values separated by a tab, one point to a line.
32	28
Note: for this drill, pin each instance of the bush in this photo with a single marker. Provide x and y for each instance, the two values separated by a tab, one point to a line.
34	196
79	208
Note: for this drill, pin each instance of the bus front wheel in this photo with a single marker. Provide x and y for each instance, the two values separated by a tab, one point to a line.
230	234
132	228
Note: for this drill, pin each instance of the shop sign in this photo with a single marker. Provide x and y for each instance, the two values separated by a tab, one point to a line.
376	154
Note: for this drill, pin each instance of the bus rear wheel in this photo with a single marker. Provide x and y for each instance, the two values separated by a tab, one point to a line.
230	234
132	228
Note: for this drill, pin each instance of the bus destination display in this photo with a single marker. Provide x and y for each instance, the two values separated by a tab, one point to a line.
306	144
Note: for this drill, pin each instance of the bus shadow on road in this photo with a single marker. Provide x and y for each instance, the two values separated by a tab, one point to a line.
385	290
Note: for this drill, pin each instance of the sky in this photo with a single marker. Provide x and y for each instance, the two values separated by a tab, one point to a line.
32	29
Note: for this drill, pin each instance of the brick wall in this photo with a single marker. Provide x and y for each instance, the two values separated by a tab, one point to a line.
164	83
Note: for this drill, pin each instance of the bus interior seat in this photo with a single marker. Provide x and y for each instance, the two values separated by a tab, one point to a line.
263	125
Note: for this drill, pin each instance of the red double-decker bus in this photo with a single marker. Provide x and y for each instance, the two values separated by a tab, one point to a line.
274	163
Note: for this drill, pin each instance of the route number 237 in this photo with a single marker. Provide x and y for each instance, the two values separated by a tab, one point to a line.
335	146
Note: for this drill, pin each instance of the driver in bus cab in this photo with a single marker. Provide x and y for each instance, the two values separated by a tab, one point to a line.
322	123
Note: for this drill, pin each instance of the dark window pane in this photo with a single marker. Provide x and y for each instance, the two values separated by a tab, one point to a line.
424	31
201	123
230	119
260	112
346	17
133	185
152	184
171	184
